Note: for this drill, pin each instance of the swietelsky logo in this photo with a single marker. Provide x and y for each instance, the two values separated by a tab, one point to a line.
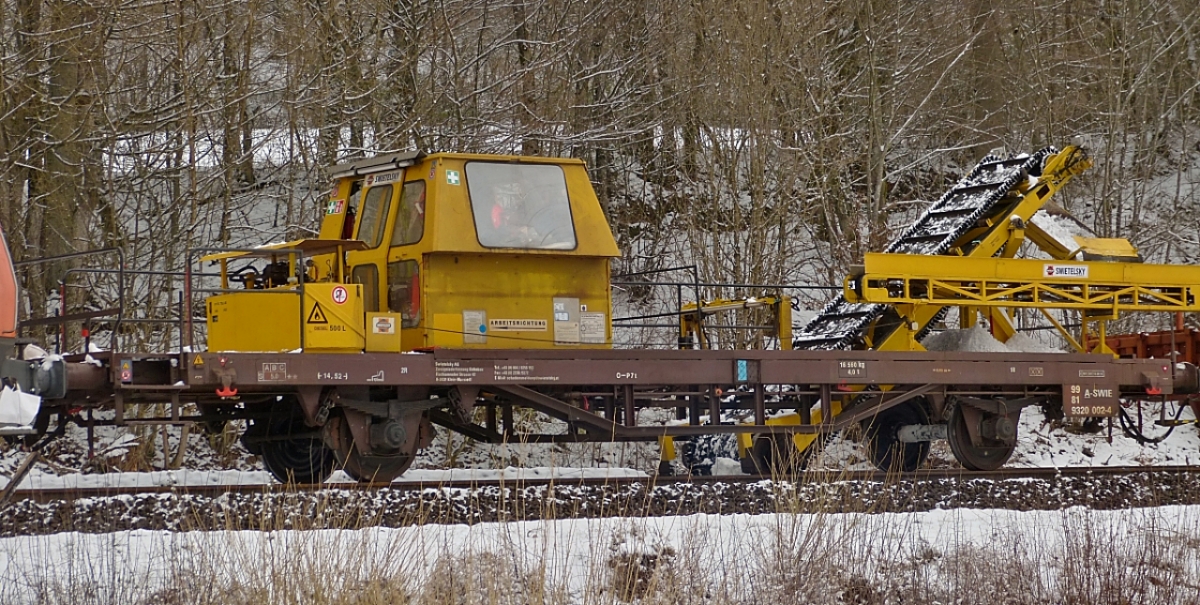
1073	271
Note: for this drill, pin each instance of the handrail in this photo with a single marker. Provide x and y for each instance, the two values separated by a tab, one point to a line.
197	254
622	279
63	317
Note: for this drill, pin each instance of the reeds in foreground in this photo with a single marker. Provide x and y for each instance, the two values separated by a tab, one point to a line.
958	556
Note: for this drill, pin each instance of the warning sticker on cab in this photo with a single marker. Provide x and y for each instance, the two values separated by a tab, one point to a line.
339	295
317	315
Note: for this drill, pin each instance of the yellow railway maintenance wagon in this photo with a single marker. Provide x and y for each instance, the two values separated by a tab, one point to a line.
420	251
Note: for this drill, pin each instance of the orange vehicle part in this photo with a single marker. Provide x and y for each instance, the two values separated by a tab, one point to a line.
1180	344
8	292
1158	345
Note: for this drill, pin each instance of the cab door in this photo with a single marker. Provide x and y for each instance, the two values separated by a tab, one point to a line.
372	228
403	276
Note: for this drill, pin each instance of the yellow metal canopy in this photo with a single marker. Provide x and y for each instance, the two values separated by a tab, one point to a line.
308	247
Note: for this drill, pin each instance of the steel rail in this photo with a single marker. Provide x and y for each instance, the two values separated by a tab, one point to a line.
817	476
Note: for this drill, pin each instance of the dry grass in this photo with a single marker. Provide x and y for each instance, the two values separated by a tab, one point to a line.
958	557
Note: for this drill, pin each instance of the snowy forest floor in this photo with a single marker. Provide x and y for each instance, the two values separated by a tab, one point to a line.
957	556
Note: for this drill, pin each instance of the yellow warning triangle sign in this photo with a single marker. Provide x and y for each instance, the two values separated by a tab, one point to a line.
317	316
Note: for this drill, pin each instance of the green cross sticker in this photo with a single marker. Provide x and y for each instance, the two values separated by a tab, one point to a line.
451	177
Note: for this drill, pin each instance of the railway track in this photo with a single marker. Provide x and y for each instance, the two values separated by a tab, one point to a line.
353	506
816	477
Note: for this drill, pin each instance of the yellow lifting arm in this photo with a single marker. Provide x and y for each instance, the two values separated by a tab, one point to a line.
989	240
998	282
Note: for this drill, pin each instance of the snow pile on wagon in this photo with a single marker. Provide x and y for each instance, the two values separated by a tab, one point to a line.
978	340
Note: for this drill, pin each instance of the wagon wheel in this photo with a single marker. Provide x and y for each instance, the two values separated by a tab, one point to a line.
884	447
292	451
988	457
366	468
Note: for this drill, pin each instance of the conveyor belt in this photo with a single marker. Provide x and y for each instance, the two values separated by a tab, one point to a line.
841	325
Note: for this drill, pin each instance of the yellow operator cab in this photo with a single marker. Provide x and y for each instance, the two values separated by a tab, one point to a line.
421	251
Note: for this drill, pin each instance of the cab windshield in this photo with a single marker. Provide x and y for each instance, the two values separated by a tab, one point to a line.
520	206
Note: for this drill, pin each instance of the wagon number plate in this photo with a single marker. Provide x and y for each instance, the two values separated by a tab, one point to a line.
1090	400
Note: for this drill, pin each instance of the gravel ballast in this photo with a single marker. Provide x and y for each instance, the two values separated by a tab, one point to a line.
396	507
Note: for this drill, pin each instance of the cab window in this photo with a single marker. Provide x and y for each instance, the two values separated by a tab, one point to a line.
352	209
368	276
404	292
410	218
374	214
520	206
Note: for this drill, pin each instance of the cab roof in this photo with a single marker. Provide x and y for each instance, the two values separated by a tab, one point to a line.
404	159
309	247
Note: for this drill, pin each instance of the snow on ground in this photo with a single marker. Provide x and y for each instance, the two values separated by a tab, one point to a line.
1001	556
1044	444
